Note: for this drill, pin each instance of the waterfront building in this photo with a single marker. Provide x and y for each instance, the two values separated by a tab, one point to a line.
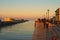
57	14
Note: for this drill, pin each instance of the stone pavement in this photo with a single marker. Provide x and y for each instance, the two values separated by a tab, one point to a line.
43	33
39	32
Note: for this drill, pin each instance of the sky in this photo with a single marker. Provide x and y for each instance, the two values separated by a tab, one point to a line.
28	8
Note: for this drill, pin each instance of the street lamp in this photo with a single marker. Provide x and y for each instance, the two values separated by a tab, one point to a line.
48	13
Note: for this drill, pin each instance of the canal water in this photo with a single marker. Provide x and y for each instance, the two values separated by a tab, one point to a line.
21	31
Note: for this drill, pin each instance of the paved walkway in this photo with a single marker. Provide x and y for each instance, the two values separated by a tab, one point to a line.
39	32
50	33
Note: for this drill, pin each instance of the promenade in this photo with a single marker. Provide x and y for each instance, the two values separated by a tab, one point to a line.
41	32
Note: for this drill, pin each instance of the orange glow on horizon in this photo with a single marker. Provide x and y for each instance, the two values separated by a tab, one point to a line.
7	19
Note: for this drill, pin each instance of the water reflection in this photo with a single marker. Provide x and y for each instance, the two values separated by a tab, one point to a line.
1	27
22	31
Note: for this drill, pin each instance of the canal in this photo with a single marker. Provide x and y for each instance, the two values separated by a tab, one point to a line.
22	31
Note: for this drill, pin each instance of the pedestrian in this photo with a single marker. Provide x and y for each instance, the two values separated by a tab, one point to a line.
37	21
47	23
44	21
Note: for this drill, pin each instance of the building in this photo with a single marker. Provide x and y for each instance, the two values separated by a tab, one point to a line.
53	19
7	19
57	14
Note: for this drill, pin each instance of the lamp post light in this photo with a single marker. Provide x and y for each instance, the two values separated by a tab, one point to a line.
48	14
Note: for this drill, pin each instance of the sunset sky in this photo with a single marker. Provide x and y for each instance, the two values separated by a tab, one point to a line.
27	8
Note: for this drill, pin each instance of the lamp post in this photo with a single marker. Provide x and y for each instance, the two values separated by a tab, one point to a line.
48	13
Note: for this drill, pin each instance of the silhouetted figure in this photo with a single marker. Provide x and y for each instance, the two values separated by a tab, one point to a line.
37	21
47	23
44	21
